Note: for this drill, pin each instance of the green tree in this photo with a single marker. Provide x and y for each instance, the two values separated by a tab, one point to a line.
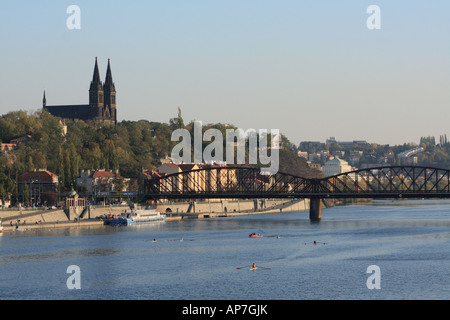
178	122
67	169
25	194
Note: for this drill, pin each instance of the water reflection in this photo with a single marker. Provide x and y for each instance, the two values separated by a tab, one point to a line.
60	254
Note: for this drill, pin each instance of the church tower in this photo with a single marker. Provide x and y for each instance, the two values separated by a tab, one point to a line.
109	90
102	102
96	95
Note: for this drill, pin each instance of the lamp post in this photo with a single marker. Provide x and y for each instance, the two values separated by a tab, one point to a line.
31	191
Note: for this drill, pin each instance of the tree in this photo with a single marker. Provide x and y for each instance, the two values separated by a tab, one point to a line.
25	194
119	183
428	143
110	153
67	170
7	187
177	123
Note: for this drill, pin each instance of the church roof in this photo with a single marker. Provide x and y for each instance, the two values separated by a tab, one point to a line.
75	111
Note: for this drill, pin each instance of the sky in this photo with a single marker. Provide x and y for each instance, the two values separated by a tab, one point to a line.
312	69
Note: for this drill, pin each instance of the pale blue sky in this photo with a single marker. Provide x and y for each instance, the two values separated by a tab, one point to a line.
309	68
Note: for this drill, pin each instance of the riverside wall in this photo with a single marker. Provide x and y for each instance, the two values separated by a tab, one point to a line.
230	208
59	218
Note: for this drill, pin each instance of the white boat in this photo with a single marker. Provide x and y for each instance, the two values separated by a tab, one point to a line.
138	216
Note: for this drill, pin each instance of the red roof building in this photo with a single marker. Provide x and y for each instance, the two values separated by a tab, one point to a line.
103	174
39	176
38	183
94	181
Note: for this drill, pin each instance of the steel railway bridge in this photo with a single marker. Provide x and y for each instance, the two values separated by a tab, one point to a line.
248	183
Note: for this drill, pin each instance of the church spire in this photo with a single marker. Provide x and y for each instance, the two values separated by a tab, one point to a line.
96	83
110	96
109	84
96	95
44	101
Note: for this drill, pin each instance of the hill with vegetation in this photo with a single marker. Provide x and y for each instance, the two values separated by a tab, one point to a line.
129	147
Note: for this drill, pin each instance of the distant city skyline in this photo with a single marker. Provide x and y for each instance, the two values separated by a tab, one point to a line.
312	69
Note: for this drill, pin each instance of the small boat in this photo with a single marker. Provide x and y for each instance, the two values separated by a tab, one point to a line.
254	235
134	217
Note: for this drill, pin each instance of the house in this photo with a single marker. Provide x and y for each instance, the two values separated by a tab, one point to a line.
25	138
40	185
355	156
5	147
94	181
303	154
12	145
202	180
171	168
165	159
315	166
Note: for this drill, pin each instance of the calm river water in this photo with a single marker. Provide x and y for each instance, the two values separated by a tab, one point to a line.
408	240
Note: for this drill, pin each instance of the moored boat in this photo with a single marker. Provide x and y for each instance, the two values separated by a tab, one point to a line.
134	217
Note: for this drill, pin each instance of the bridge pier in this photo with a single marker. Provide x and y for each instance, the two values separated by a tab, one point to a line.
315	209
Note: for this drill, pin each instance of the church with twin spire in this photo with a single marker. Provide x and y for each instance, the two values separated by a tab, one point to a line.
102	102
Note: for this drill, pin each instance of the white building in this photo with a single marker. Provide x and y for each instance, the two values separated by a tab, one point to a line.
100	181
335	166
303	154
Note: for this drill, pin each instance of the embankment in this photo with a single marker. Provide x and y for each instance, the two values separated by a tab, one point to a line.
57	218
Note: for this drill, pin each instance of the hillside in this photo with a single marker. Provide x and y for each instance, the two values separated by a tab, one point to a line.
129	147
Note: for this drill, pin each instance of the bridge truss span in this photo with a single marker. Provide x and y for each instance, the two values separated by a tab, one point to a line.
245	182
388	182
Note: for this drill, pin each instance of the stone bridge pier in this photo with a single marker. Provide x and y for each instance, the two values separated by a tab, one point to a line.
315	209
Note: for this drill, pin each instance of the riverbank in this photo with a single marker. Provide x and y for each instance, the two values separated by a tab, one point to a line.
89	223
53	225
14	221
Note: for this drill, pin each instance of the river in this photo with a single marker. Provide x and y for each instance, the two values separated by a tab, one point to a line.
408	241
